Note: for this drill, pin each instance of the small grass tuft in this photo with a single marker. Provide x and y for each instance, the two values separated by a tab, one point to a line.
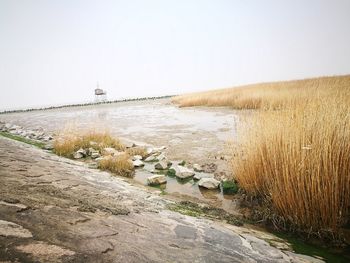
120	165
138	150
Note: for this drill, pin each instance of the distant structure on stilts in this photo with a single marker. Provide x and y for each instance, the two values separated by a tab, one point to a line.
100	94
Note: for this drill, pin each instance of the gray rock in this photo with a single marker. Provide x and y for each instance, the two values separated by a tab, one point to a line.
95	155
127	143
161	165
78	155
82	152
14	127
48	146
199	176
149	150
11	229
137	157
209	183
110	151
197	168
159	149
138	163
183	172
161	157
47	138
151	158
156	179
209	167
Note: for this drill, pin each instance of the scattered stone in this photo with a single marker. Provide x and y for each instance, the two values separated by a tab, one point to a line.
202	175
78	155
46	138
149	150
127	143
11	229
82	151
197	168
156	179
138	163
95	155
161	165
151	159
161	157
110	151
14	127
48	146
159	149
137	157
183	172
209	167
209	183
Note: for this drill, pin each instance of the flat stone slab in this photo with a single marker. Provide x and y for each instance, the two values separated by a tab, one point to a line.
10	229
105	218
43	251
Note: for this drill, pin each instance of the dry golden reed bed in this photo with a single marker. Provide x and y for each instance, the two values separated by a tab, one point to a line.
294	151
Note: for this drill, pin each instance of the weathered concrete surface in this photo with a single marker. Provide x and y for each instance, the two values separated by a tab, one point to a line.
74	214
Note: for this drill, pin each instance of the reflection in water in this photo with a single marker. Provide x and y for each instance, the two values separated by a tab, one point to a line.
210	194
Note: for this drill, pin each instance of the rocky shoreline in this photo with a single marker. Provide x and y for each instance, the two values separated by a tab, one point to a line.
57	209
154	155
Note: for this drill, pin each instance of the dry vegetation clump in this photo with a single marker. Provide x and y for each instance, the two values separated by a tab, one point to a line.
70	141
138	150
119	164
294	153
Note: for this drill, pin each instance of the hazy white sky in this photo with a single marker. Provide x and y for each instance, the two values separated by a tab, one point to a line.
54	52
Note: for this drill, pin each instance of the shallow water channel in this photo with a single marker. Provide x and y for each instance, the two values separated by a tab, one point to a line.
188	187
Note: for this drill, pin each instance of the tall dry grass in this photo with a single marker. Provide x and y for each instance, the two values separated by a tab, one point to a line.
271	95
294	153
120	165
